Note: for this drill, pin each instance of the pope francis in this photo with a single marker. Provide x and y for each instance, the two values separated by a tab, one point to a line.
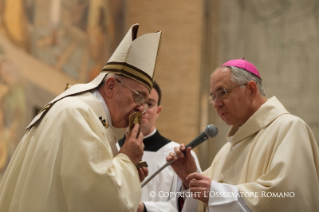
68	160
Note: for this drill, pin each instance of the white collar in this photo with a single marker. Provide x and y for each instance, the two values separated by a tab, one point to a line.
152	133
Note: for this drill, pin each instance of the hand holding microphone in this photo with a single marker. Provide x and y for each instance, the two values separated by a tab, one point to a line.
210	131
181	159
182	167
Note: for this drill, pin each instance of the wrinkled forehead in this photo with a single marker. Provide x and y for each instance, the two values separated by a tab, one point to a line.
221	78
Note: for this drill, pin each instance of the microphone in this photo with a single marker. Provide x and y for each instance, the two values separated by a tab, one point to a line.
209	132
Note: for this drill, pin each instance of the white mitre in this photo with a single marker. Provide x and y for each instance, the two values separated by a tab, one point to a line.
134	58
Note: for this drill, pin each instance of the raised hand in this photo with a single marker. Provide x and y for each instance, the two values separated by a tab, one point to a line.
183	165
133	145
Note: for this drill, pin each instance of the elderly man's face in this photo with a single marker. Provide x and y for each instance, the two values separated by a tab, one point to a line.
234	108
124	104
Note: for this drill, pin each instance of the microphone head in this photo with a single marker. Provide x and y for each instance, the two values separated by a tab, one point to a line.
211	130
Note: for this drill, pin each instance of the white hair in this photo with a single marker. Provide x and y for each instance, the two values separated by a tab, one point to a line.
241	76
109	75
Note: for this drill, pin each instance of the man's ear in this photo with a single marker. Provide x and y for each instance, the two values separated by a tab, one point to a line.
108	87
252	87
159	109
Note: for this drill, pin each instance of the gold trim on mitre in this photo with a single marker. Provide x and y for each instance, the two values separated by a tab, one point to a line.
129	71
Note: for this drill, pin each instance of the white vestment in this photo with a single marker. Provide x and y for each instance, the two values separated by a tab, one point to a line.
69	162
273	161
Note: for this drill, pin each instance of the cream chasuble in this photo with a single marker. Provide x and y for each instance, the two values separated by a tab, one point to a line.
276	158
66	163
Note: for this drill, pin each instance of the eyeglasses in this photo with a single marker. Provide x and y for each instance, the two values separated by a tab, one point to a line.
139	98
221	94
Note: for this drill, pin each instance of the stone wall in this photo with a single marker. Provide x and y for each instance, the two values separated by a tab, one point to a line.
280	37
178	67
